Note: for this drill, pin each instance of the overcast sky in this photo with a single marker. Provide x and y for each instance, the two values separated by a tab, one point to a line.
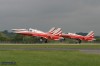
70	15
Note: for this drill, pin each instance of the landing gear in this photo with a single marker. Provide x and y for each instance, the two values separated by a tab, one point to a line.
62	40
79	41
43	40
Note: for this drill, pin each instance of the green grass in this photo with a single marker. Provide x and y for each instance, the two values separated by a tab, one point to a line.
59	45
49	58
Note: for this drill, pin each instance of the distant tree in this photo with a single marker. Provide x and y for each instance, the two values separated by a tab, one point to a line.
17	38
97	40
3	37
29	39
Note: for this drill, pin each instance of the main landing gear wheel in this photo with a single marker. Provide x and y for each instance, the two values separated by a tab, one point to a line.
79	41
46	41
62	40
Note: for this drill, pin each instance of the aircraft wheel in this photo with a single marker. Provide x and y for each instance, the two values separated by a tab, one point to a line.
46	41
79	41
62	40
41	40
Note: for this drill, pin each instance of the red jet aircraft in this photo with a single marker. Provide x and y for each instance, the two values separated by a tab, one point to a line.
79	38
52	34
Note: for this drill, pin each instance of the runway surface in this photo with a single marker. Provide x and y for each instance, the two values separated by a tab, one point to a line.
85	50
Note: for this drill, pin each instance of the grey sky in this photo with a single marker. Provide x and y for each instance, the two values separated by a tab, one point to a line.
70	15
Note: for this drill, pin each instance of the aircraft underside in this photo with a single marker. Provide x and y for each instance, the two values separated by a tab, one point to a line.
43	40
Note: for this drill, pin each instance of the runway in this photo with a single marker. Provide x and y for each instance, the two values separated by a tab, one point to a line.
48	49
85	50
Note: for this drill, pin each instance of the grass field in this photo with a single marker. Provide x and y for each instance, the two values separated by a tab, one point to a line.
48	57
60	45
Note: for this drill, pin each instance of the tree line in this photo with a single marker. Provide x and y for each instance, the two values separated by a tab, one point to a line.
9	37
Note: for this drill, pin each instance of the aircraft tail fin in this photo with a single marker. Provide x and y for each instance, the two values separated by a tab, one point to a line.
51	31
91	35
58	31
